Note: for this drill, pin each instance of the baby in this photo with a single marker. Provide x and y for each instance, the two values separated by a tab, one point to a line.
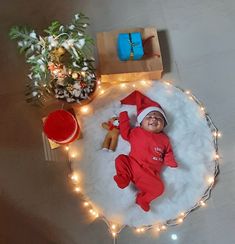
150	150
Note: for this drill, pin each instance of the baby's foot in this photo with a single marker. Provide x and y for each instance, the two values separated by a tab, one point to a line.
121	181
143	204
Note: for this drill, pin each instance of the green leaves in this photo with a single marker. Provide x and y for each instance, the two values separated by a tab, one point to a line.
17	32
53	29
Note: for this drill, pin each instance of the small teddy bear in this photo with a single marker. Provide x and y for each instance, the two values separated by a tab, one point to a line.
111	138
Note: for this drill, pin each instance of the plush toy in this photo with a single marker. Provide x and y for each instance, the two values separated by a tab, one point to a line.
111	138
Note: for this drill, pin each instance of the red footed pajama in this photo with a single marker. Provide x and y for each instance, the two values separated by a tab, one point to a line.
147	182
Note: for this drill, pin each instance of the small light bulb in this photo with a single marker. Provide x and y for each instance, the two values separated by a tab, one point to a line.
77	189
217	156
74	177
158	229
163	227
73	155
219	134
188	92
86	204
114	234
99	87
67	148
142	229
113	227
202	203
182	214
138	230
143	82
134	85
202	108
102	92
123	85
174	237
98	82
85	109
167	83
180	220
210	180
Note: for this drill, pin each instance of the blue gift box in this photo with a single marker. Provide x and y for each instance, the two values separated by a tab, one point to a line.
130	46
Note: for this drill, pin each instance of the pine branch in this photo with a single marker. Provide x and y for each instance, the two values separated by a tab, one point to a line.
53	29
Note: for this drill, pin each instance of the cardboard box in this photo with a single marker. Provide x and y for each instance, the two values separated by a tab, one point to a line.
111	69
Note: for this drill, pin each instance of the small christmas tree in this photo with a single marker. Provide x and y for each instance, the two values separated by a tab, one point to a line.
61	62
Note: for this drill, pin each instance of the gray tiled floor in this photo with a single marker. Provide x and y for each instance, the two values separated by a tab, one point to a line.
197	40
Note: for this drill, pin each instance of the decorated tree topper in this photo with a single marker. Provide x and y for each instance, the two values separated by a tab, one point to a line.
61	62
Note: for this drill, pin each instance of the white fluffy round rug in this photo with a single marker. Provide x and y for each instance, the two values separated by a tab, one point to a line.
192	142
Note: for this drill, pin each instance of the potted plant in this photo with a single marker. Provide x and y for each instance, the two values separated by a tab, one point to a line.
60	61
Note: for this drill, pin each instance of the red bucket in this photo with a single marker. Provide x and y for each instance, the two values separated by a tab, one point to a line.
61	127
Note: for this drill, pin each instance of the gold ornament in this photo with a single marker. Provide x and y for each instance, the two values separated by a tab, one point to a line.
74	75
60	51
57	54
69	88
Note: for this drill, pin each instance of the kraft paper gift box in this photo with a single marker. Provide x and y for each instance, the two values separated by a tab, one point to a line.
129	46
112	70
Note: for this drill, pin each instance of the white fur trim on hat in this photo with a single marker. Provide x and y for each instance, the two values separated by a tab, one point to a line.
146	111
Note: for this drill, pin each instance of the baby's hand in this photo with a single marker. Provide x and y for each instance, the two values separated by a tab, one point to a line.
173	164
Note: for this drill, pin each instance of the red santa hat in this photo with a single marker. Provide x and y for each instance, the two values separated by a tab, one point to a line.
144	105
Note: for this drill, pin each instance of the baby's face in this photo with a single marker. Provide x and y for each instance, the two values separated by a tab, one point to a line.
153	122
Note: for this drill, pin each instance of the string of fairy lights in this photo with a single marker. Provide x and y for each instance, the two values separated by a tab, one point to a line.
116	228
